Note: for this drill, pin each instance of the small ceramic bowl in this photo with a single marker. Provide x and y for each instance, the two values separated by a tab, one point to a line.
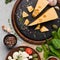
53	58
10	40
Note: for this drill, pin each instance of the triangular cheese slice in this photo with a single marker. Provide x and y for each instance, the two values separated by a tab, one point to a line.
41	4
44	29
26	22
37	27
24	14
49	15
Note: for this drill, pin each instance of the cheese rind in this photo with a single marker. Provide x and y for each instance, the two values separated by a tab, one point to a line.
44	29
41	4
24	14
49	15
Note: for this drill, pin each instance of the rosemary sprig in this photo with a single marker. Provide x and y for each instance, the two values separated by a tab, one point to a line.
7	1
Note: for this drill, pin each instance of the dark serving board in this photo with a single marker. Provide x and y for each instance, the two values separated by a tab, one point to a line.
28	33
18	48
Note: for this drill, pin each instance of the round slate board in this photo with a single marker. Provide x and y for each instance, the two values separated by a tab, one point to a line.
28	33
18	49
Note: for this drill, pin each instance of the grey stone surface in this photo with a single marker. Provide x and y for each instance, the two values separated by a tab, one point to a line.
5	14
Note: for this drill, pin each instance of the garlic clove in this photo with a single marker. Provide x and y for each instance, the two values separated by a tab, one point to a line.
4	27
57	7
52	2
8	30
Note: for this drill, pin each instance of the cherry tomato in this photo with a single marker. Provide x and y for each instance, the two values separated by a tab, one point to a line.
29	50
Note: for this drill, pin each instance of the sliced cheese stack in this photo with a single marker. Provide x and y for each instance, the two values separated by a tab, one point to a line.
41	4
49	15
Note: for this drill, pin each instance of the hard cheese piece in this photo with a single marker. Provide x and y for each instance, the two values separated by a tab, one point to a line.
26	22
44	29
24	14
30	8
38	27
41	4
49	15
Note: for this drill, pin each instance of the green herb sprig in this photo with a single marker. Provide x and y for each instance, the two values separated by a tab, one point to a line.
7	1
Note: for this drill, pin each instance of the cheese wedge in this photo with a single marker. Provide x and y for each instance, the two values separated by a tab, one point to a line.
41	4
26	22
44	29
30	8
49	15
24	14
37	27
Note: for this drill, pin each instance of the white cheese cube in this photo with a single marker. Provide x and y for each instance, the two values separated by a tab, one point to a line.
24	54
30	57
9	57
12	59
15	55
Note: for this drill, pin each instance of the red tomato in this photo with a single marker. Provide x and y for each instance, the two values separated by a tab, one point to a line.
29	50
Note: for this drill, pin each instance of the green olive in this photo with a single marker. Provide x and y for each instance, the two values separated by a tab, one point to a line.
55	26
35	58
39	49
22	49
35	55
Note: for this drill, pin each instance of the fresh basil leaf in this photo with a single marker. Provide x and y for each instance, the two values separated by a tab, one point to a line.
54	34
56	43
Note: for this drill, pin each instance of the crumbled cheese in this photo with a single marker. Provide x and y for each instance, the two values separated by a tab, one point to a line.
44	29
24	14
9	58
24	54
15	55
26	22
38	27
30	57
25	59
30	8
12	59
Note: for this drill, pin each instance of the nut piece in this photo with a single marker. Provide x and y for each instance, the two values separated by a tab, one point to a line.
44	29
26	22
30	8
24	14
